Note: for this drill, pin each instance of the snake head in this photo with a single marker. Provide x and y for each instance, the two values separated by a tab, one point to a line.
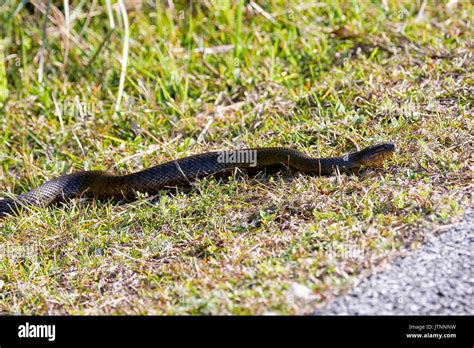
374	156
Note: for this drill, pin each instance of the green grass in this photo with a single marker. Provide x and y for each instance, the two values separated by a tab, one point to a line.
244	245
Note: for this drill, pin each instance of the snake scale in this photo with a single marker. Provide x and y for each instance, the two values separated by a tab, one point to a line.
100	184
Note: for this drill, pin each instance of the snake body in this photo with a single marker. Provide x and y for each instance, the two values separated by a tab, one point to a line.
100	184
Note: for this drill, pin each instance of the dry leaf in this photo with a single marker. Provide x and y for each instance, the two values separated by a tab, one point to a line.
343	33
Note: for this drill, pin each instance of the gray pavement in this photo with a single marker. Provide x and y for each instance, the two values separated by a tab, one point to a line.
435	279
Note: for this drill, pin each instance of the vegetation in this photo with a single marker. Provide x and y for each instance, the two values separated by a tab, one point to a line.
326	77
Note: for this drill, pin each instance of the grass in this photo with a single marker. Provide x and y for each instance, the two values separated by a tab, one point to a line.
276	73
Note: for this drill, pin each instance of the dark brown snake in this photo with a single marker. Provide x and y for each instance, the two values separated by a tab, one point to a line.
100	184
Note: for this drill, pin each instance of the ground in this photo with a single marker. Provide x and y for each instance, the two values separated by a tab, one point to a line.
435	279
325	77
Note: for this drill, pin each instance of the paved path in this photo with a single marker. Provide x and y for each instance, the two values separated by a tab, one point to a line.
437	278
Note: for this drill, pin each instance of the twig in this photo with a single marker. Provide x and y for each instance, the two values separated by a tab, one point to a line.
206	50
67	23
57	21
88	18
110	13
263	12
420	14
205	129
15	12
43	44
123	11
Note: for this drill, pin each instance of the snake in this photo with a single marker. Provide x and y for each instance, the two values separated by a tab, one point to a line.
183	171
